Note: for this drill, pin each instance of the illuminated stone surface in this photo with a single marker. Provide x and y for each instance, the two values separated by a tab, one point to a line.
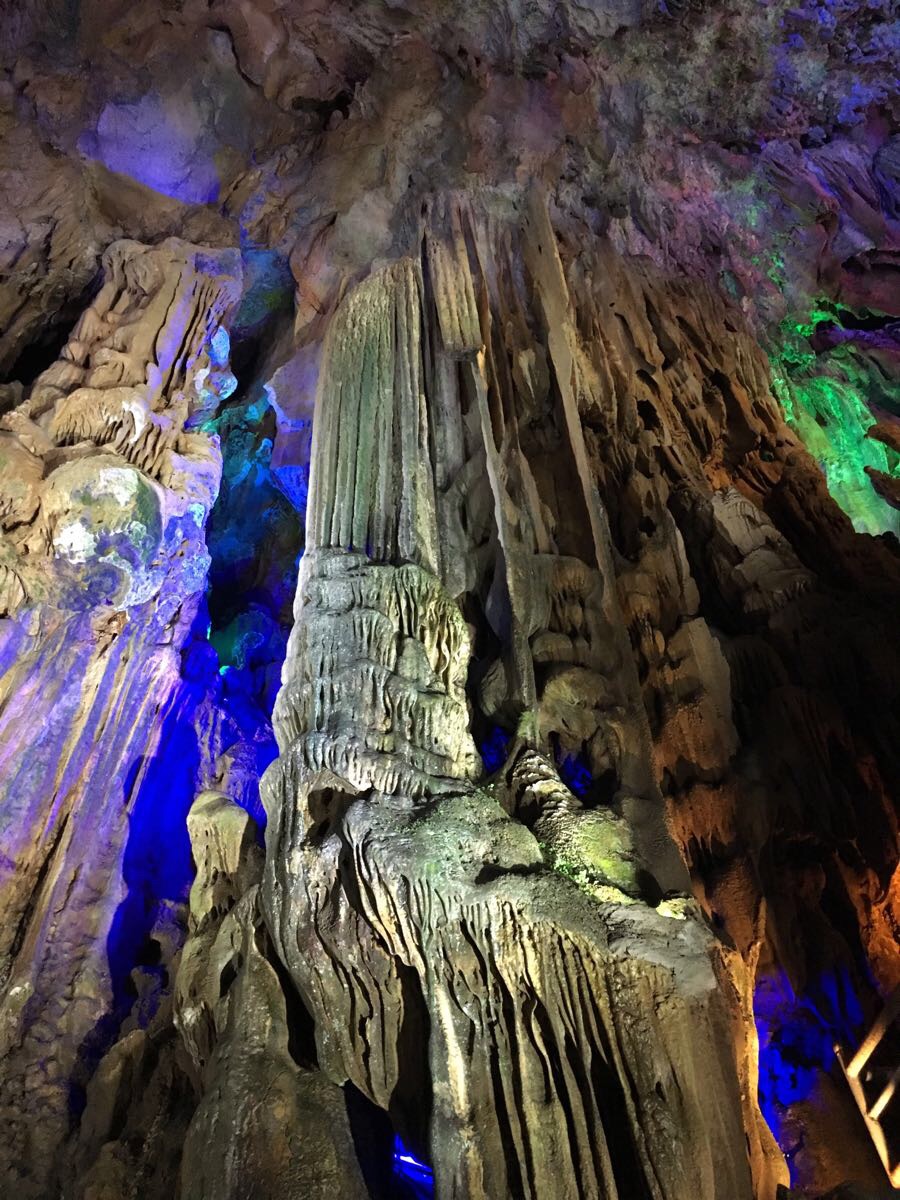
527	825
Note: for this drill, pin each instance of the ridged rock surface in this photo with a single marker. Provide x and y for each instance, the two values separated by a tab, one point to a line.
107	491
567	332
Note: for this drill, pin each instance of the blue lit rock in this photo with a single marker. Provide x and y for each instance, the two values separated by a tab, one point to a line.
105	523
106	543
589	709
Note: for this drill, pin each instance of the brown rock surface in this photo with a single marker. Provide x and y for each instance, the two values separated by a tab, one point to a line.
554	323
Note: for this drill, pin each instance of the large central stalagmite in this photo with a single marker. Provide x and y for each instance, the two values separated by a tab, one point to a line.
573	1039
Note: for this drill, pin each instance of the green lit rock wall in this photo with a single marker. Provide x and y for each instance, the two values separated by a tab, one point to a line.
832	397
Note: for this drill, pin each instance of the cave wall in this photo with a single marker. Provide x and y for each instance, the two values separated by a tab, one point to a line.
569	335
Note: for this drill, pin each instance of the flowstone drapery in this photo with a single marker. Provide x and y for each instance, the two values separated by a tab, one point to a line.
562	596
105	484
571	1032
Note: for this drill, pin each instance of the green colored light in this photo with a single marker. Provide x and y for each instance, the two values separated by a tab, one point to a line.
824	397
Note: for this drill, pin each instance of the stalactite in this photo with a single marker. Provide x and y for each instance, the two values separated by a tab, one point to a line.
389	896
375	414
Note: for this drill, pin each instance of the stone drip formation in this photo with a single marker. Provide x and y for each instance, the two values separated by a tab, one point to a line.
554	506
575	1045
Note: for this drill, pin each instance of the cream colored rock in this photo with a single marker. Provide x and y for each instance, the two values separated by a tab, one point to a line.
102	565
264	1126
400	896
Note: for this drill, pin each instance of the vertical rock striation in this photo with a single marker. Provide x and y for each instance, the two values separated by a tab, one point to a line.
577	1044
582	842
107	484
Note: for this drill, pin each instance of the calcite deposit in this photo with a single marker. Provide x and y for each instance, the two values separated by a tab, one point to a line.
449	564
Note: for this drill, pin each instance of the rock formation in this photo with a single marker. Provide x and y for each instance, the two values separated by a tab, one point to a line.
528	826
106	491
401	893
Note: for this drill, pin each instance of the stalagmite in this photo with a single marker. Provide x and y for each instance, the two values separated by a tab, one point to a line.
102	553
404	896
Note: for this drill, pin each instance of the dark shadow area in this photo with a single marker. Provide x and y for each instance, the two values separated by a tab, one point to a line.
156	868
48	341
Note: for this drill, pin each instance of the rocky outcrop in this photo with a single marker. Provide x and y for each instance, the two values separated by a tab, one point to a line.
411	904
107	484
287	1128
568	332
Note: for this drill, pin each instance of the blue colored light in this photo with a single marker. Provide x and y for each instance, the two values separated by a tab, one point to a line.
576	774
573	770
418	1176
495	748
157	861
227	385
159	141
797	1036
220	347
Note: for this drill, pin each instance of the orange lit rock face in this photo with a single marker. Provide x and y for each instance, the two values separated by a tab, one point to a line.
581	834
